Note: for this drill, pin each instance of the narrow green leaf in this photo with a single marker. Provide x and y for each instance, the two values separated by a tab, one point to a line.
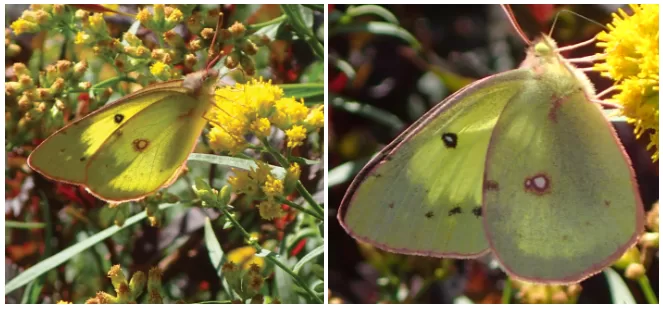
618	289
345	172
216	255
371	112
309	257
372	10
244	164
64	255
378	28
284	283
303	90
24	225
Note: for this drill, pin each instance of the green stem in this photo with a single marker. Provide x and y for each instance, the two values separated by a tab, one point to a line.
300	187
300	208
270	256
506	293
114	80
255	27
315	7
647	290
24	225
309	198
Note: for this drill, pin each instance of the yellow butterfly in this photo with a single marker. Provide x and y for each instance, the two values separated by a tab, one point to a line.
134	146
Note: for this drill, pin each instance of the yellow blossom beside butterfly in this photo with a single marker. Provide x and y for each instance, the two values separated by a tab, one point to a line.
631	59
252	108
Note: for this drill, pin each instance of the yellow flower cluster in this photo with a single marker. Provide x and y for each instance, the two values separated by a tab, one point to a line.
162	18
259	183
631	59
38	17
253	108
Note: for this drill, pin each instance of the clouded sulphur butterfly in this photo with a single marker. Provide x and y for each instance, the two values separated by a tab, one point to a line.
522	164
132	147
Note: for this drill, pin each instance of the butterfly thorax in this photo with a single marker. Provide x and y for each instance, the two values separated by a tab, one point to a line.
552	68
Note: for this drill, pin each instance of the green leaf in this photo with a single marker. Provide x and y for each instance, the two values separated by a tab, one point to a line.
309	257
216	255
618	289
371	112
244	164
345	172
303	90
314	73
24	225
284	283
372	10
378	28
64	255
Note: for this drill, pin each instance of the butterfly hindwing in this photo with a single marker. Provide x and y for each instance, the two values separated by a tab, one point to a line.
562	202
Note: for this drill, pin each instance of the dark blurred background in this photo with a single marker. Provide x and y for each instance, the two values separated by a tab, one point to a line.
380	84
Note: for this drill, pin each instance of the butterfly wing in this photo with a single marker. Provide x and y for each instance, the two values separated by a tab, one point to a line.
563	202
422	193
145	154
63	156
66	155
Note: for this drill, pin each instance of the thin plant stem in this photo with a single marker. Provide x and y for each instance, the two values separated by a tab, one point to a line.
300	208
300	187
647	290
271	257
277	20
506	292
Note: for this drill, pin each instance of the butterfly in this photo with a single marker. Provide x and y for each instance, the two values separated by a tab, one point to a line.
522	164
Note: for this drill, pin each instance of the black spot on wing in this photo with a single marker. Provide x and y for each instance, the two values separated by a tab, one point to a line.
118	118
450	139
476	211
454	211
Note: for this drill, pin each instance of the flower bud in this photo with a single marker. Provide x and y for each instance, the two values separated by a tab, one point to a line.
137	284
634	271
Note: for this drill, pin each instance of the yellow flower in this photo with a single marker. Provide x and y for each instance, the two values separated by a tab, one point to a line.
221	141
97	23
263	171
242	109
82	38
63	302
273	187
24	26
289	112
244	256
143	16
270	210
291	177
175	16
260	127
316	118
250	182
631	59
295	136
161	70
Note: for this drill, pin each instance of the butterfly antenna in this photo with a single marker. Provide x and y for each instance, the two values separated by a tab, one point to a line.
512	18
588	42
